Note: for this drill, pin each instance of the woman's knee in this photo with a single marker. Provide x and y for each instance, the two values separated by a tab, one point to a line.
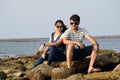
52	48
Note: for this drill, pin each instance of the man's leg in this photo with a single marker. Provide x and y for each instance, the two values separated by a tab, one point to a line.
93	58
69	54
88	50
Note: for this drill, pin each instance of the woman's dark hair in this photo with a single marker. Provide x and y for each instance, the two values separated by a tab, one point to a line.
64	26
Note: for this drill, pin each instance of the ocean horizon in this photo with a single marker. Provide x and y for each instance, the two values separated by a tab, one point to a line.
28	47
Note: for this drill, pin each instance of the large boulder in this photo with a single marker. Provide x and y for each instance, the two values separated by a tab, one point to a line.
117	68
59	73
3	75
95	76
107	61
103	76
41	72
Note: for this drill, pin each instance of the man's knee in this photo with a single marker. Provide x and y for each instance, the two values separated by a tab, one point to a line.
95	49
70	46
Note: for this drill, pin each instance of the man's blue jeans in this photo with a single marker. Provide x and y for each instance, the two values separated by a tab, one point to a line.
82	53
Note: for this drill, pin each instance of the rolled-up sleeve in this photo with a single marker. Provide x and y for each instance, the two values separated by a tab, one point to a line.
85	33
66	34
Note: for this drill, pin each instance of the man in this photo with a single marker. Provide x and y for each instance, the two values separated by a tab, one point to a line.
73	37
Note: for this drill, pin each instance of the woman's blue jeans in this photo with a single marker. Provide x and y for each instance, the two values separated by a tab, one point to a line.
55	54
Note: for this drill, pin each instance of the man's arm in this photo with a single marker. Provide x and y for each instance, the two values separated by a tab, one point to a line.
94	42
67	41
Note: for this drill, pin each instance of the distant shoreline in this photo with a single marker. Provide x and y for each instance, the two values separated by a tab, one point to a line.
38	39
113	36
23	40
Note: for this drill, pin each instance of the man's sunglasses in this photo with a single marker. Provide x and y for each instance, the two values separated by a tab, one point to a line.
76	23
59	26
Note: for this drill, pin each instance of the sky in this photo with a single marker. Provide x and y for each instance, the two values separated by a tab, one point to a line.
36	18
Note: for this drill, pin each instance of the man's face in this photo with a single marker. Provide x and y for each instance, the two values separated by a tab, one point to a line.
74	24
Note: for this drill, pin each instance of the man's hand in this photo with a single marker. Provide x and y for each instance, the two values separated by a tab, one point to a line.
80	45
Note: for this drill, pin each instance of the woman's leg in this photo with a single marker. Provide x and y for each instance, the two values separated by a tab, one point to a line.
51	54
39	61
55	54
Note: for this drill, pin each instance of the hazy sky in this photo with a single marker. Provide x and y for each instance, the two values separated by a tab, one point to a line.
36	18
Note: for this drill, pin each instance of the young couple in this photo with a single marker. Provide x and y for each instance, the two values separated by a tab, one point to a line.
65	44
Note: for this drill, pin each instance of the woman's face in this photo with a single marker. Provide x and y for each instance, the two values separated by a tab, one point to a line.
59	26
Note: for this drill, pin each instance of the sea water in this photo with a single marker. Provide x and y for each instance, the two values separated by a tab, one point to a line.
16	49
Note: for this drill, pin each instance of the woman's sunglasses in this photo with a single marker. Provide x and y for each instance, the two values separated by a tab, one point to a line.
59	26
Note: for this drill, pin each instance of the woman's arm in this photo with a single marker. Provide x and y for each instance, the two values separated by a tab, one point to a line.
43	55
54	43
42	46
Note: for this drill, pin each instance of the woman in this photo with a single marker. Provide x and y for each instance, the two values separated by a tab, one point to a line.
55	45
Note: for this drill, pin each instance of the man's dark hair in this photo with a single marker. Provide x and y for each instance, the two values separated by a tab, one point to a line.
75	17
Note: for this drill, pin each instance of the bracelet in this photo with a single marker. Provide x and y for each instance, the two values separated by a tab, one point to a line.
95	44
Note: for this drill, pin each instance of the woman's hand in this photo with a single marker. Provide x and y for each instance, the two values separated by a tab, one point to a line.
43	55
41	47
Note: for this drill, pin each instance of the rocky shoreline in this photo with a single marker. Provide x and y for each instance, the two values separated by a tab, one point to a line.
20	68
